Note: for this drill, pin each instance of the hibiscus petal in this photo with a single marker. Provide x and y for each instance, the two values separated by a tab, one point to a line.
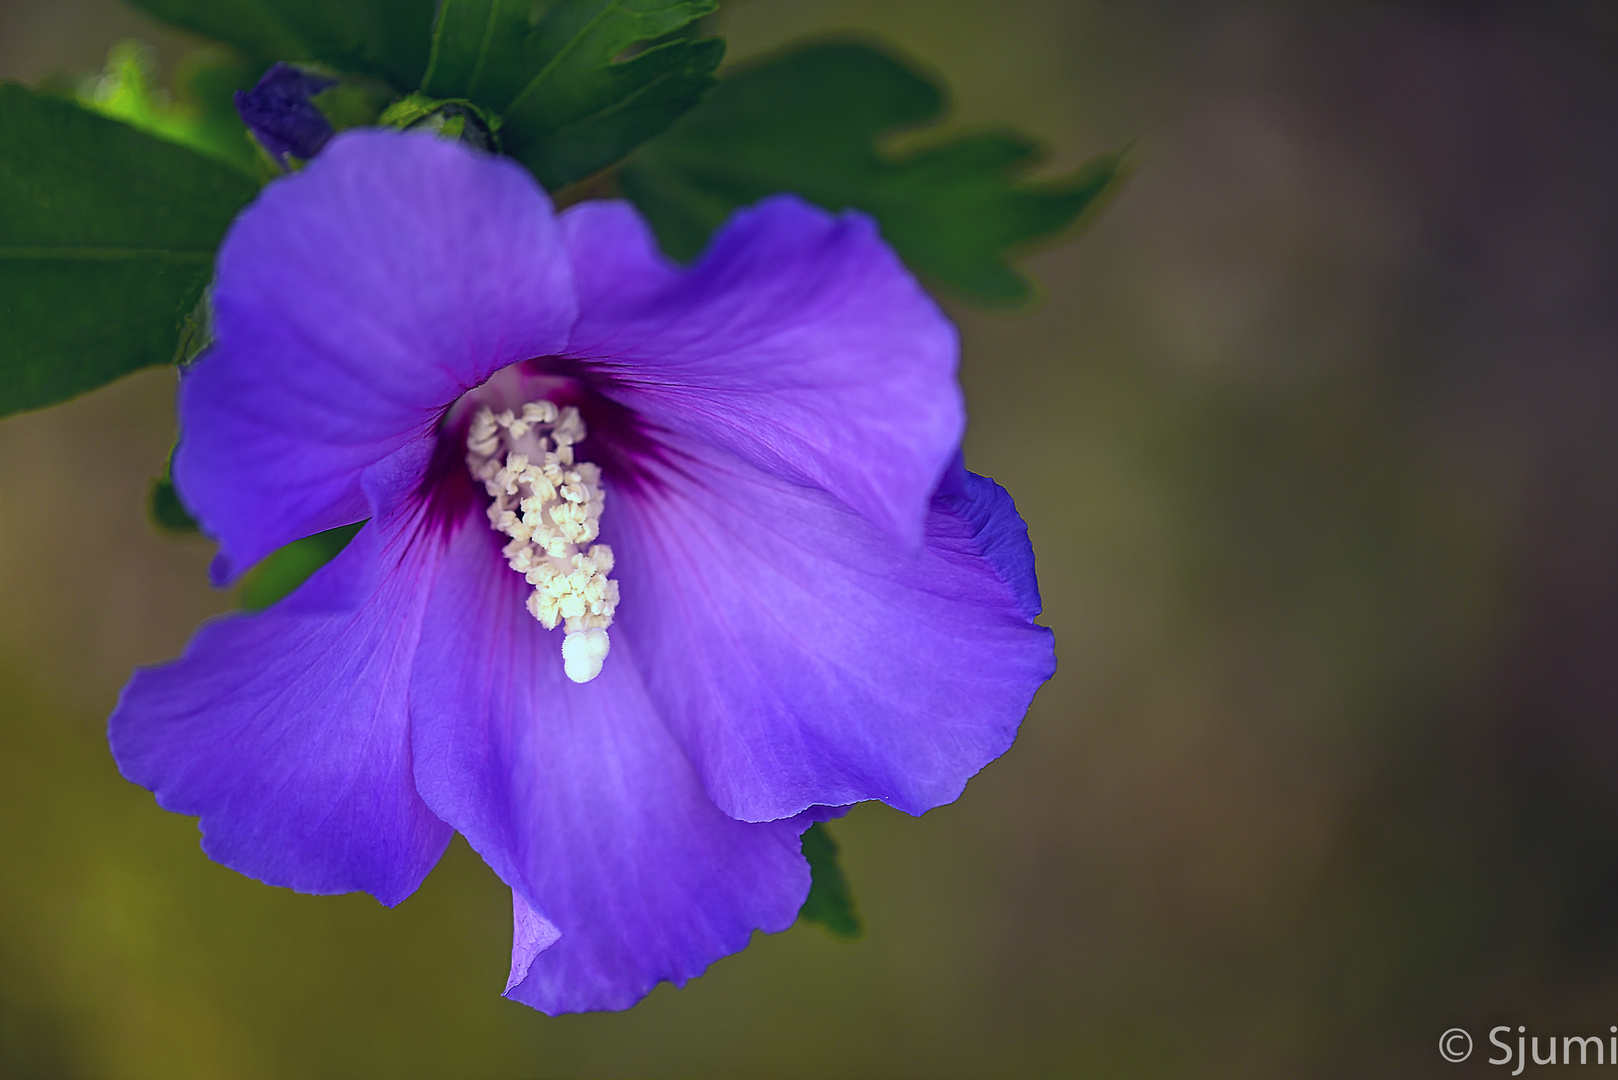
579	799
803	659
353	302
798	342
287	731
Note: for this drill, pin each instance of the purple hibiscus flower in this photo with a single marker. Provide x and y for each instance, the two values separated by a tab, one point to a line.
659	567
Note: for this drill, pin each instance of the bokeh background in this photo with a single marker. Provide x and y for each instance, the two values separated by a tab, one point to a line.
1316	433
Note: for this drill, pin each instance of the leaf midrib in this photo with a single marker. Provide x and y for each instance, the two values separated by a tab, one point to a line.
483	50
561	54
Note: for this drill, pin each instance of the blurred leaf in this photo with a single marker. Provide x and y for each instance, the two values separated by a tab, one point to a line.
164	508
208	80
349	105
570	106
286	568
810	120
201	114
107	238
385	38
830	903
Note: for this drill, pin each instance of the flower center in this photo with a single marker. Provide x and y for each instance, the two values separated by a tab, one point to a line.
550	506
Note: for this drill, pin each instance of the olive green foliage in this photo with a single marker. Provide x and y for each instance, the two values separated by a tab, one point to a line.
830	902
107	234
384	39
107	239
812	120
163	506
201	111
569	105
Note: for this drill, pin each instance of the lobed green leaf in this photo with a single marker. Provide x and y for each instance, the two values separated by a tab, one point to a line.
480	51
830	902
812	119
107	239
388	39
570	104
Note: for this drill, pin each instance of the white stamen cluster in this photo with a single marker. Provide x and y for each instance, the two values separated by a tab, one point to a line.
550	506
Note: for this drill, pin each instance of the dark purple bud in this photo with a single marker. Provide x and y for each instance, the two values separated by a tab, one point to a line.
281	115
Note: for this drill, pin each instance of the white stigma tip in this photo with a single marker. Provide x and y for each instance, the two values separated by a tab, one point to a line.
583	654
550	506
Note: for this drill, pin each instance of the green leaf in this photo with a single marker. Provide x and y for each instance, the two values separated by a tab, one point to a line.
350	105
829	902
202	112
812	119
207	81
163	506
569	105
286	568
107	239
480	51
388	39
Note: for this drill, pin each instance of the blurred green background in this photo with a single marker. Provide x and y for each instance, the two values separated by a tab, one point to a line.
1316	432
